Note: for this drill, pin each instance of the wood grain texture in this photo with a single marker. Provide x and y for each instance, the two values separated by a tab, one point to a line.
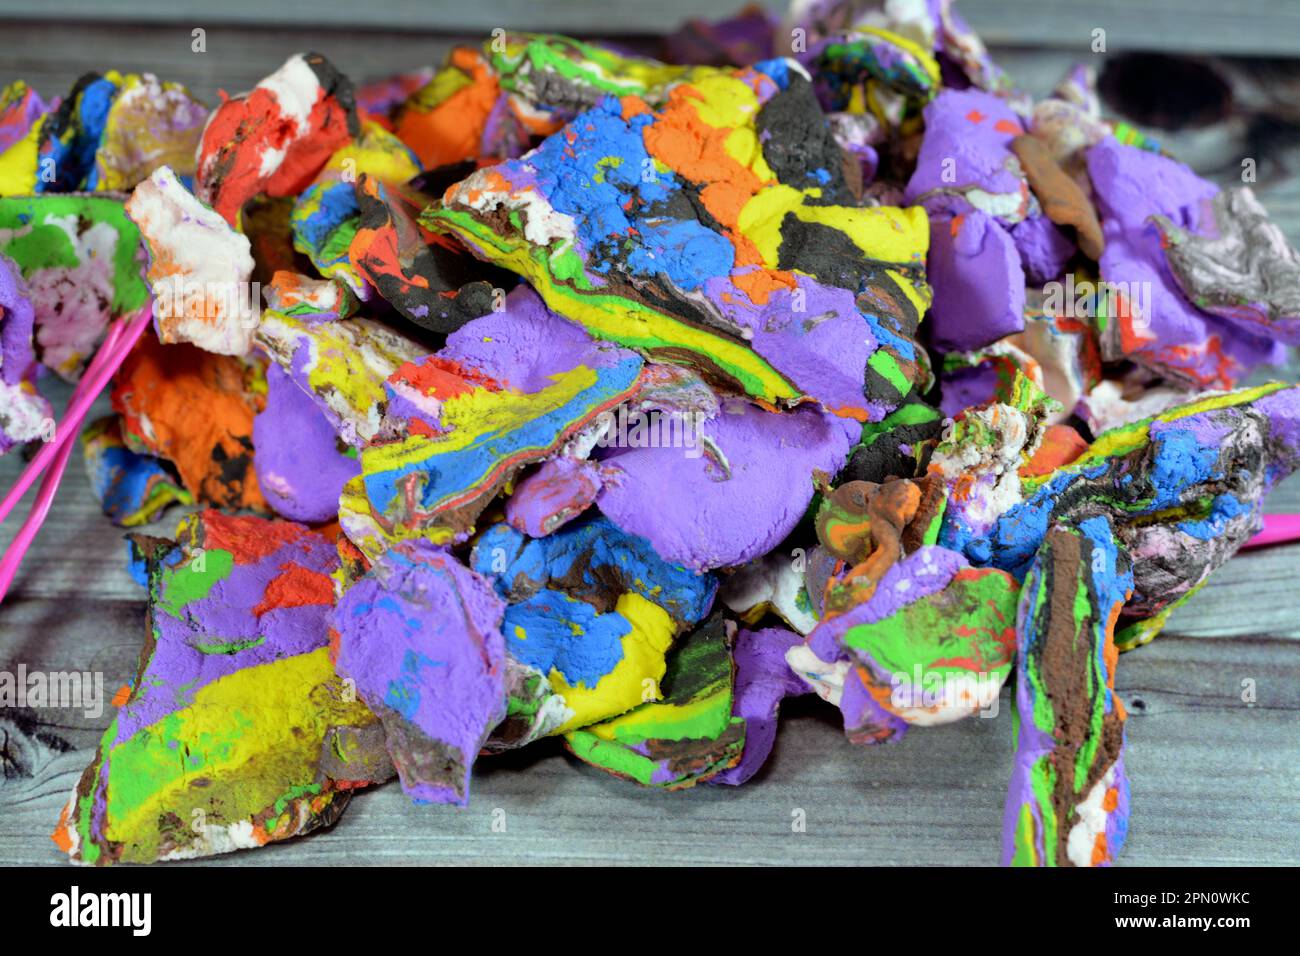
1214	779
51	56
1255	27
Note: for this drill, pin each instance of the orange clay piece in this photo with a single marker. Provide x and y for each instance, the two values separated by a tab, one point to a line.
1061	445
759	284
452	130
193	408
698	151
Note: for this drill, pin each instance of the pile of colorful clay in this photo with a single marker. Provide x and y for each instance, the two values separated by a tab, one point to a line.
560	392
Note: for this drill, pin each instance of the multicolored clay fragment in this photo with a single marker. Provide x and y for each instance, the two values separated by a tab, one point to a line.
132	489
22	112
429	278
1241	268
1183	491
70	135
200	269
222	740
597	664
593	560
420	635
151	124
692	233
1146	317
930	641
326	215
981	458
24	412
492	401
1068	802
684	736
897	446
556	77
343	366
462	114
311	300
109	134
196	410
83	263
276	138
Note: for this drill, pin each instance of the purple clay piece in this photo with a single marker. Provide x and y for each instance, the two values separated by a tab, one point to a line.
1044	249
970	181
967	387
17	319
558	491
738	486
525	345
739	40
966	160
1150	320
763	680
420	634
24	412
300	468
979	286
832	353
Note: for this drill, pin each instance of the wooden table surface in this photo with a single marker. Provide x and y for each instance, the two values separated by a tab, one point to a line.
1214	779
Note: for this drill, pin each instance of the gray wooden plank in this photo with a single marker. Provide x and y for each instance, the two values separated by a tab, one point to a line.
1243	27
50	56
1255	27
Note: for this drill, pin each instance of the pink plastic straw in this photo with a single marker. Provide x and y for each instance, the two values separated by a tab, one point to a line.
119	341
64	444
27	533
92	383
1278	529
